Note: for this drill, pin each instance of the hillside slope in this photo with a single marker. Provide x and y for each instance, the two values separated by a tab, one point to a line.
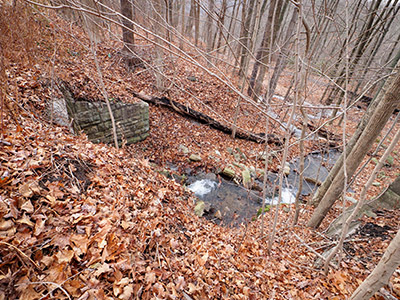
85	221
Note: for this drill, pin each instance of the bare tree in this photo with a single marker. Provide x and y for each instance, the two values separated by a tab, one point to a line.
196	23
388	100
245	34
209	30
382	272
164	32
378	21
221	20
386	19
321	28
127	29
297	80
283	56
361	201
190	20
361	126
128	51
265	51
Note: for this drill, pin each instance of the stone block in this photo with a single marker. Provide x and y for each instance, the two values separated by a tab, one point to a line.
132	120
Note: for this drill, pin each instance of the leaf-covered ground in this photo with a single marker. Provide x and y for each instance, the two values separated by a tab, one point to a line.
86	221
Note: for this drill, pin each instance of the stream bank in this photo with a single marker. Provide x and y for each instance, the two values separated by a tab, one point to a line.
223	201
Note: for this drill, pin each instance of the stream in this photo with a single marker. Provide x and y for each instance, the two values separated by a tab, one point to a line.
230	204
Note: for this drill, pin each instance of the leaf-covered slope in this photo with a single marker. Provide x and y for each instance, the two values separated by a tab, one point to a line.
84	221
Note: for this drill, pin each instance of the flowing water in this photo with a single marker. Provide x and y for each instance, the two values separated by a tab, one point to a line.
231	204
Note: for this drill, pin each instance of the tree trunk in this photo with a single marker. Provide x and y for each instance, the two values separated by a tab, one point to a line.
330	93
394	47
372	30
245	60
196	23
361	202
283	56
221	20
382	272
182	24
127	30
321	30
168	19
388	100
231	28
189	24
205	119
175	15
279	12
334	171
247	14
158	62
265	50
357	52
386	20
208	28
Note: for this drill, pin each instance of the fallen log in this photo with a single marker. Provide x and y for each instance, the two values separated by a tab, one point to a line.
205	119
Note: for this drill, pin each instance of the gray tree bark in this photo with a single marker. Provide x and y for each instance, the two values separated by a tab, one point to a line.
334	171
190	21
196	23
209	28
382	272
283	56
357	52
127	30
245	35
388	100
221	21
265	50
385	21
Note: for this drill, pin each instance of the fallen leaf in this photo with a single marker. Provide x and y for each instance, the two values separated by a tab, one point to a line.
180	283
396	289
192	288
202	260
150	277
28	207
39	226
25	220
6	224
81	241
65	256
104	268
25	190
127	293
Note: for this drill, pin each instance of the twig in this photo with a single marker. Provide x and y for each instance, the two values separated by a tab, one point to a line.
166	260
376	150
175	49
386	294
21	253
361	201
49	282
310	248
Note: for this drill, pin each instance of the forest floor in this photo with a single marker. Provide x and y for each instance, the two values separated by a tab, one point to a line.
88	221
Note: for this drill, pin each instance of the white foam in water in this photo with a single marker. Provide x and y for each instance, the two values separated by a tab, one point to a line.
278	97
287	198
202	187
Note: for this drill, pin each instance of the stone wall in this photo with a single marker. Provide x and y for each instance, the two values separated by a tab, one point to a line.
390	199
131	120
93	118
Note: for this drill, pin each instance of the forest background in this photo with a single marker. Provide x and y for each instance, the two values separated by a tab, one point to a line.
286	78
